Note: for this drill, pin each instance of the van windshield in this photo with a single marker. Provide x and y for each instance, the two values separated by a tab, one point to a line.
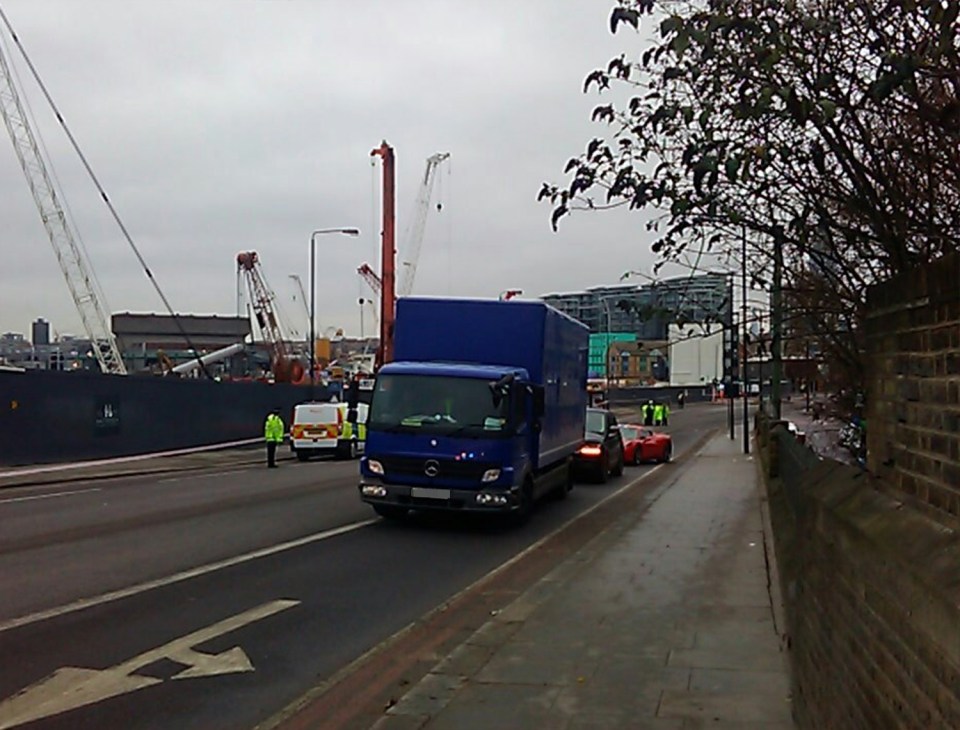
443	405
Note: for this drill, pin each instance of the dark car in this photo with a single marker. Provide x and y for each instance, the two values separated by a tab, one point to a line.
601	453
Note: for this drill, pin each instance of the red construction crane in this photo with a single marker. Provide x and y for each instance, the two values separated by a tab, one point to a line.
284	367
370	276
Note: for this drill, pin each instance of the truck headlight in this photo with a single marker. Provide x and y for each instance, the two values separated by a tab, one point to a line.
490	475
375	466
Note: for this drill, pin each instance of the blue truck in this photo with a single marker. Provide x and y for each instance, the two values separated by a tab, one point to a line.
481	410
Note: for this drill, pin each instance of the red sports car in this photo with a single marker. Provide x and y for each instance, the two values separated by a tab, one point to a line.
643	444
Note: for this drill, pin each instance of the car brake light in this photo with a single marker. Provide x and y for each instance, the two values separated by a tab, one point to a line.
590	450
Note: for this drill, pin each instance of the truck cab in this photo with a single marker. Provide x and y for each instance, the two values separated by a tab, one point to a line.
453	436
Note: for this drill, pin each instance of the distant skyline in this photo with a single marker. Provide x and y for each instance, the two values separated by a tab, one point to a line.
227	126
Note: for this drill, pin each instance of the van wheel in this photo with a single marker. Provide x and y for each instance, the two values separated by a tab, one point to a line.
303	455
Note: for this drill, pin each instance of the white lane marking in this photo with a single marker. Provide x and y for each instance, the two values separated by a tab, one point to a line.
71	687
202	476
150	585
51	495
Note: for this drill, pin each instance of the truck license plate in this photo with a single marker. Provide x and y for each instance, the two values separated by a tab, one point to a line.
428	493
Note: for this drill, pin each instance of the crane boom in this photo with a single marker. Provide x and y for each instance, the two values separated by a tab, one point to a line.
76	270
370	276
419	225
303	295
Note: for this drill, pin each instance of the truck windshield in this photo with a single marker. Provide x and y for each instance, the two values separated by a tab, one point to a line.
443	405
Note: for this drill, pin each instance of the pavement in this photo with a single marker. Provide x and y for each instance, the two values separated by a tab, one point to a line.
671	618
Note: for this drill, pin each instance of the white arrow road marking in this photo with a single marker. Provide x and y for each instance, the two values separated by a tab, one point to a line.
71	687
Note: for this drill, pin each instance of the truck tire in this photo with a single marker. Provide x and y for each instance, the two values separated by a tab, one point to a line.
389	512
522	515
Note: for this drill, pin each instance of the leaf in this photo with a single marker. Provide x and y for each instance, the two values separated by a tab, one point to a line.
624	15
558	213
731	167
599	78
669	25
829	109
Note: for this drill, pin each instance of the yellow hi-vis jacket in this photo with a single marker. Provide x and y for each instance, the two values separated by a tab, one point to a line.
273	428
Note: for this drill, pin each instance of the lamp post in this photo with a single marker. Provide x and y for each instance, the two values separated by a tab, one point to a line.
313	294
606	347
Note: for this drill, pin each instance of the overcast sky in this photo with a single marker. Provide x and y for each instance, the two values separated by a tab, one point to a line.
225	126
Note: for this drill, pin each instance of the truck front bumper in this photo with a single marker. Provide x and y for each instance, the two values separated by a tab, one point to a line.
443	499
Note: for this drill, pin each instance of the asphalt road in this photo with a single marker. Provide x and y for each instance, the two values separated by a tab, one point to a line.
213	598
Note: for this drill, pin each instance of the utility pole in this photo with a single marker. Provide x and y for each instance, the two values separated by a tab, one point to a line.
745	375
388	255
776	301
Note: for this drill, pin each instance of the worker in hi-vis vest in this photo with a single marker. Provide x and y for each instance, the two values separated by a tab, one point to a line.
273	435
658	414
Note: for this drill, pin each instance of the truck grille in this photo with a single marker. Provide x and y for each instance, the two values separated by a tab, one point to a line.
400	466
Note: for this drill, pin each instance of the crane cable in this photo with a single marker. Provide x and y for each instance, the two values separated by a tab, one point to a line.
103	194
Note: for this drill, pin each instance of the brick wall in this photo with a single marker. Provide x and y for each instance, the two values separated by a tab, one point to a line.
913	403
872	599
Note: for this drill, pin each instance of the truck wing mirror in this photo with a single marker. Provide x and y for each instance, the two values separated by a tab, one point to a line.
500	388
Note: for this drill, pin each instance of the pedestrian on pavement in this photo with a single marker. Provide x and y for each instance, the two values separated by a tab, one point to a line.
648	413
681	398
658	414
273	435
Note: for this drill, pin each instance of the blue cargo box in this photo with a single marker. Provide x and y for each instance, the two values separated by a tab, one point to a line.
551	346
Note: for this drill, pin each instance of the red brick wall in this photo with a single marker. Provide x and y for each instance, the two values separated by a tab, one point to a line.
913	388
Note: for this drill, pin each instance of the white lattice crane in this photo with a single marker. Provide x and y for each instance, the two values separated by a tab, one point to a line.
414	241
76	269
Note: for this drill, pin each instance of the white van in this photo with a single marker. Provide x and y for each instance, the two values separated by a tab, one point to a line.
323	428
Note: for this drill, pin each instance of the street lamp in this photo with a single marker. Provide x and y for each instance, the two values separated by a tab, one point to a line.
606	346
313	294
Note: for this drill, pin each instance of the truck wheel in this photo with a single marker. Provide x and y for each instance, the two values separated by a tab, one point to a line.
522	515
390	513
